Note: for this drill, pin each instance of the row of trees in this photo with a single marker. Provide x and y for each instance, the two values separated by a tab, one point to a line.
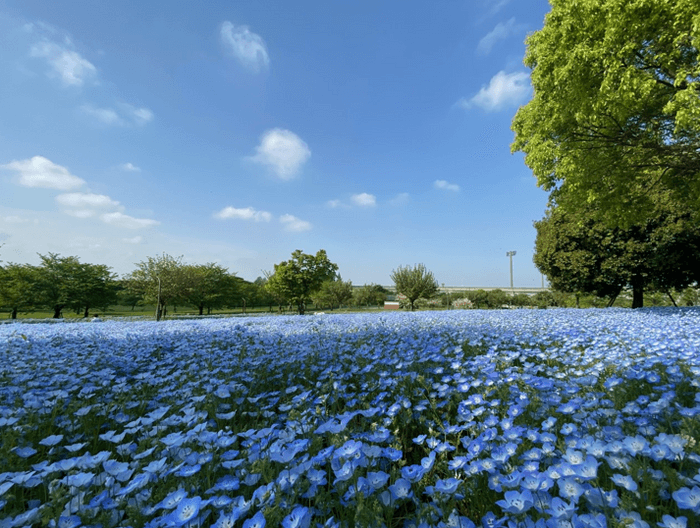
613	133
64	283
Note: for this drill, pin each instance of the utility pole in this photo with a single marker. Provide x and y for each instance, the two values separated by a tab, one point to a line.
510	254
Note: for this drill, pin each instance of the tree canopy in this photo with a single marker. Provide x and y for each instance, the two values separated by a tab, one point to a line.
581	255
414	282
159	280
332	293
616	105
297	279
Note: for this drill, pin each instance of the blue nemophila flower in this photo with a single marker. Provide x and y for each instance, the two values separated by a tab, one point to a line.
624	481
300	517
188	471
78	480
256	521
24	452
412	473
225	520
688	499
560	509
138	482
491	521
187	510
377	479
51	440
673	522
75	447
112	436
516	502
570	489
70	521
632	519
401	489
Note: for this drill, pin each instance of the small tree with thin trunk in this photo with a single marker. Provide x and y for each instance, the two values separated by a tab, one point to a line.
415	283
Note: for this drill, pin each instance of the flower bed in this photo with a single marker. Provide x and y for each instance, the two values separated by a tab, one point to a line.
499	418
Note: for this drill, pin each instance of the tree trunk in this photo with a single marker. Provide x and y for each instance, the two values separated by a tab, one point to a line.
57	311
637	292
672	299
86	313
201	309
300	308
14	313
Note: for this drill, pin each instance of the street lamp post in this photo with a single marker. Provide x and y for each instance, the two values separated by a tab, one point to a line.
158	314
510	254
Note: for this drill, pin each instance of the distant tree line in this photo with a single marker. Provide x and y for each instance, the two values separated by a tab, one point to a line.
595	277
62	284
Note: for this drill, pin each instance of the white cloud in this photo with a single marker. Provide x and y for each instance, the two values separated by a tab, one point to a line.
134	240
81	213
13	219
86	200
496	5
68	65
334	204
127	115
41	172
500	32
400	199
292	223
130	167
138	116
446	186
504	89
364	200
283	151
129	222
247	213
246	46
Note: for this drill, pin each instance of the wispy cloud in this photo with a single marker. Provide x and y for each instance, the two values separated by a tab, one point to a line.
86	201
68	65
294	224
400	199
41	172
14	219
133	240
129	167
364	200
334	204
124	115
283	151
129	222
494	6
444	185
504	90
501	32
247	47
246	213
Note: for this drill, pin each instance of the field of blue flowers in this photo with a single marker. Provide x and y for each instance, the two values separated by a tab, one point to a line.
522	418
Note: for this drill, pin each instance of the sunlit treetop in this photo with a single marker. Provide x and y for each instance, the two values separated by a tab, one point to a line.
616	105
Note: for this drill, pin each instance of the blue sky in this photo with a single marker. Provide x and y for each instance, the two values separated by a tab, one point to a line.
237	132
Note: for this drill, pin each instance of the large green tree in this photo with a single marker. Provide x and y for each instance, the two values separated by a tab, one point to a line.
296	280
332	293
616	107
93	286
370	295
18	287
415	282
579	254
208	286
58	282
161	281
